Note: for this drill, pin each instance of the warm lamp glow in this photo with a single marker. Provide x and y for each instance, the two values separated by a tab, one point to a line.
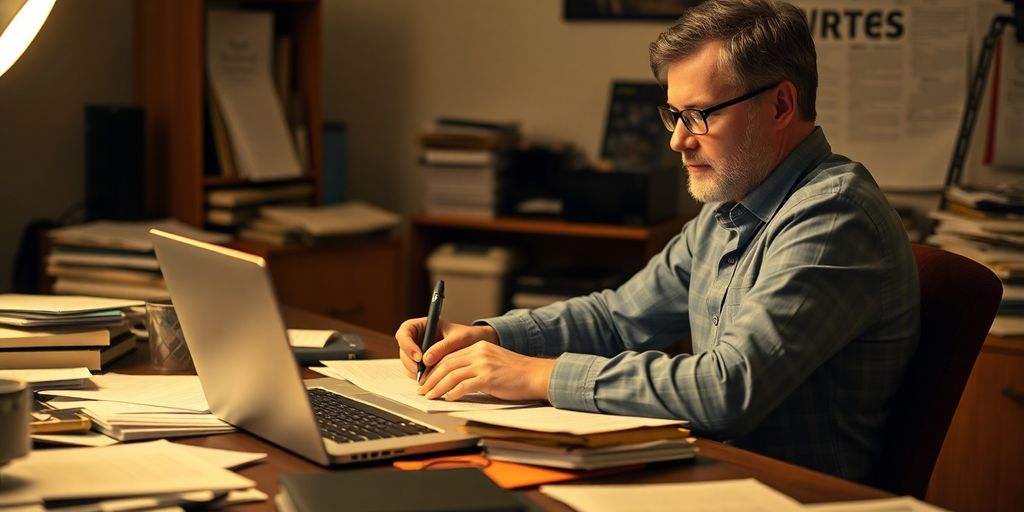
22	30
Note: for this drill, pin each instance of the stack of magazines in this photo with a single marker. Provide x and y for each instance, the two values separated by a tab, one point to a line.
986	224
545	436
113	258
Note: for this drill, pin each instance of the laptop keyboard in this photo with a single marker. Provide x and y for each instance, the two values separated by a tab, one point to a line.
344	420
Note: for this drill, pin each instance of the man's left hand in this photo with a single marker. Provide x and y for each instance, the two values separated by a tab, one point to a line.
491	369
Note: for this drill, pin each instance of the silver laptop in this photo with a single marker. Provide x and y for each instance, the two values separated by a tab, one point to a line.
232	324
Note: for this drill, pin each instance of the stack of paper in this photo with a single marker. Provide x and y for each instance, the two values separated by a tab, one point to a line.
546	436
46	331
113	259
133	407
50	378
987	225
129	477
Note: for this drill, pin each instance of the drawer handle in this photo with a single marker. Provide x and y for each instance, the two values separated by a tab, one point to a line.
1013	394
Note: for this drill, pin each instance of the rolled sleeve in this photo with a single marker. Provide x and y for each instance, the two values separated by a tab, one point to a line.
573	382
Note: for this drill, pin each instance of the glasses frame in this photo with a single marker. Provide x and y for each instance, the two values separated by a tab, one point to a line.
673	116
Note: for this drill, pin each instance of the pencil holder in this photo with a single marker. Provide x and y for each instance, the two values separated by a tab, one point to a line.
167	349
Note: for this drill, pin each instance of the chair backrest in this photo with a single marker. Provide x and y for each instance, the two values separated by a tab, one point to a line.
959	298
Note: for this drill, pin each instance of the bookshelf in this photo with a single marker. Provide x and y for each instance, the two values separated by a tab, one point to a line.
546	243
355	280
170	84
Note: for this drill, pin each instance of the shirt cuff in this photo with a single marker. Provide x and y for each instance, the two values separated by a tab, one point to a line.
573	381
516	332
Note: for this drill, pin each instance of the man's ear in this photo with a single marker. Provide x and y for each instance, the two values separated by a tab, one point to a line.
784	105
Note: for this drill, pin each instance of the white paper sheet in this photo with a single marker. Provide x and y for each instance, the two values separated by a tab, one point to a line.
311	338
137	469
549	419
47	375
94	439
902	504
175	391
386	377
227	459
746	495
60	304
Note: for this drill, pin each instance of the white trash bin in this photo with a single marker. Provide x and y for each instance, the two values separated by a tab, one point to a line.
475	279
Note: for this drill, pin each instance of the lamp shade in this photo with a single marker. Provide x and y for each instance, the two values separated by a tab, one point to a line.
22	30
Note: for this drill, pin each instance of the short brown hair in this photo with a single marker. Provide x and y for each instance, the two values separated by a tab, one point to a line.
764	41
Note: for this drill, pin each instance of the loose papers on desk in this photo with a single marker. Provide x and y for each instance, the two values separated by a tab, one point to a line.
550	419
139	469
746	495
50	378
387	378
132	422
172	391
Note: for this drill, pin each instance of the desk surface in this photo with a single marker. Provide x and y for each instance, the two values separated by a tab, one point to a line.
715	461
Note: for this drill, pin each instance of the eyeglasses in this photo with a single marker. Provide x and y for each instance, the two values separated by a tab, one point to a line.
696	120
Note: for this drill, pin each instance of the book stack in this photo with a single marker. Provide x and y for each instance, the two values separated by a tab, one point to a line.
545	436
40	331
228	209
113	259
317	225
986	224
465	162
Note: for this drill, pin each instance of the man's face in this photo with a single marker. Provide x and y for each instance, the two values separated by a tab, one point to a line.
735	155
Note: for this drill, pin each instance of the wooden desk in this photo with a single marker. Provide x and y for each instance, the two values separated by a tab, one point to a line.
716	461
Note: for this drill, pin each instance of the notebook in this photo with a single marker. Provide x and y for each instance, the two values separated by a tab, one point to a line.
233	327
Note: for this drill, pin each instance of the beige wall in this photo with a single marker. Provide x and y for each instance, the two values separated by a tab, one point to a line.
82	55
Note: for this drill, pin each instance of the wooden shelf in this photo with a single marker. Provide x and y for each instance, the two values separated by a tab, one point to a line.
551	227
170	82
543	243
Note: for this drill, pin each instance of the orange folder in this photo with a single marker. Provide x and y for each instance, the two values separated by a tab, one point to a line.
508	475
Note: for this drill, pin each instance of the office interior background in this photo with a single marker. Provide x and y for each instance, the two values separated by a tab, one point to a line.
389	68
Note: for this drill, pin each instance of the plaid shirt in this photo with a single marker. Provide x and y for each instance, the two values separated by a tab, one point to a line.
803	306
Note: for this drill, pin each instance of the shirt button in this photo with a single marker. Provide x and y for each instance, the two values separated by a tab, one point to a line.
731	260
714	320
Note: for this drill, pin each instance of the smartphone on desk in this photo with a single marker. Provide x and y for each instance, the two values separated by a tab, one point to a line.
48	420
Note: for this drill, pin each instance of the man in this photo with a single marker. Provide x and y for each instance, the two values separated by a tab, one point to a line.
795	281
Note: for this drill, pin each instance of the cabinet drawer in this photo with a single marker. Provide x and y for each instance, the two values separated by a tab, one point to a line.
981	465
358	283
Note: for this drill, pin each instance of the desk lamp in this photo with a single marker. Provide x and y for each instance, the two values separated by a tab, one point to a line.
21	21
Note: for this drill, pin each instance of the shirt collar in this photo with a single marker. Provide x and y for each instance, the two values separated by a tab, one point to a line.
766	198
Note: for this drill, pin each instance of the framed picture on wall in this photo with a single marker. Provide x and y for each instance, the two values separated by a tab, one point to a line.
625	9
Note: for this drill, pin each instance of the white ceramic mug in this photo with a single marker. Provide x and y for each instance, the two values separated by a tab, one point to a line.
15	407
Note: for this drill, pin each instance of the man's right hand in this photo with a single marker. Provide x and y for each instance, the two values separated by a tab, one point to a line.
449	338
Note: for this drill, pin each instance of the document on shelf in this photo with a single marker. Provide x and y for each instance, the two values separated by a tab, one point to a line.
550	419
747	495
135	469
174	391
387	378
238	49
310	338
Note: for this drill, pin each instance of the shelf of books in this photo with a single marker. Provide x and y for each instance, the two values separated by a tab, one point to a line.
232	98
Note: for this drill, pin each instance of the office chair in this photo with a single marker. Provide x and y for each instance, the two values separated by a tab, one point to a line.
959	298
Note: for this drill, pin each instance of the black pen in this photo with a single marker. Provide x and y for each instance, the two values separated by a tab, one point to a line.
433	315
